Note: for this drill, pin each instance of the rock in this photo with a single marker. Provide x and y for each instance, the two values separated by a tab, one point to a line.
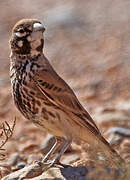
68	173
116	134
27	172
21	165
119	130
29	146
123	105
14	159
107	117
51	174
4	170
125	150
70	158
34	157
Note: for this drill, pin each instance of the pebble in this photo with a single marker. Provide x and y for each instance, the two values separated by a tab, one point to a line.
4	170
34	157
14	159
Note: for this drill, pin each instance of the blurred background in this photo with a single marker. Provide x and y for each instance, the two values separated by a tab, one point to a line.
88	44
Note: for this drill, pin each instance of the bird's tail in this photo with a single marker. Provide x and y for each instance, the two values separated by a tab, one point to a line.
111	155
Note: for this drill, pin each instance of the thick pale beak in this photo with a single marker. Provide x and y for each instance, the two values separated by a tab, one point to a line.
38	27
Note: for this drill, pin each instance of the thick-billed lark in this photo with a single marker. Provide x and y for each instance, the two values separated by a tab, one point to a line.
44	98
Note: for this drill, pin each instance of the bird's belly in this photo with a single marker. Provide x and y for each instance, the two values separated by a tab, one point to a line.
36	109
49	119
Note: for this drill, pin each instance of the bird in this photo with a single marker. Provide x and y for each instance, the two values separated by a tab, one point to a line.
44	98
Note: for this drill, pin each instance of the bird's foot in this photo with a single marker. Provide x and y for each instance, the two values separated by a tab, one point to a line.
52	163
45	165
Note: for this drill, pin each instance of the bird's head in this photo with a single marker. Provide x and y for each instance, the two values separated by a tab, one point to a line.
27	37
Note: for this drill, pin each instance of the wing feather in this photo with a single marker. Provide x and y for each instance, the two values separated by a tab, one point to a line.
59	93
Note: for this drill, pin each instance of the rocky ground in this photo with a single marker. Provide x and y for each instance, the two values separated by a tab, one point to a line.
88	43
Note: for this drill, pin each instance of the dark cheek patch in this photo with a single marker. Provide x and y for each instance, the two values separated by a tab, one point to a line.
25	49
39	48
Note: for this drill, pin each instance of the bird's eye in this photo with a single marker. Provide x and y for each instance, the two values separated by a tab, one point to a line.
21	31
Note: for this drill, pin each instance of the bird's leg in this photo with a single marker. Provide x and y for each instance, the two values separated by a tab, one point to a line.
58	145
49	163
52	150
65	144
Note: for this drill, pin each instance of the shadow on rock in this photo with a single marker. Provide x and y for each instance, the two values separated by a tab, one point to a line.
91	173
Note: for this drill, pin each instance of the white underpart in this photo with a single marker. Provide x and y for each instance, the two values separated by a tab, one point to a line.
36	40
28	71
28	67
29	38
36	34
20	43
34	53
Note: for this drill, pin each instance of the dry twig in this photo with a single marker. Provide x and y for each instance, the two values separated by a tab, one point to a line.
6	133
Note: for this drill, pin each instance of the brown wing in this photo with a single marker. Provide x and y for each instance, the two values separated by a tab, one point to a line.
59	93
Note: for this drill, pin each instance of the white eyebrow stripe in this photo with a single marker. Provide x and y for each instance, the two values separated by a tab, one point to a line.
20	34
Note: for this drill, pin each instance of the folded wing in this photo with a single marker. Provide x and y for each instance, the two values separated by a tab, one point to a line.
59	93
